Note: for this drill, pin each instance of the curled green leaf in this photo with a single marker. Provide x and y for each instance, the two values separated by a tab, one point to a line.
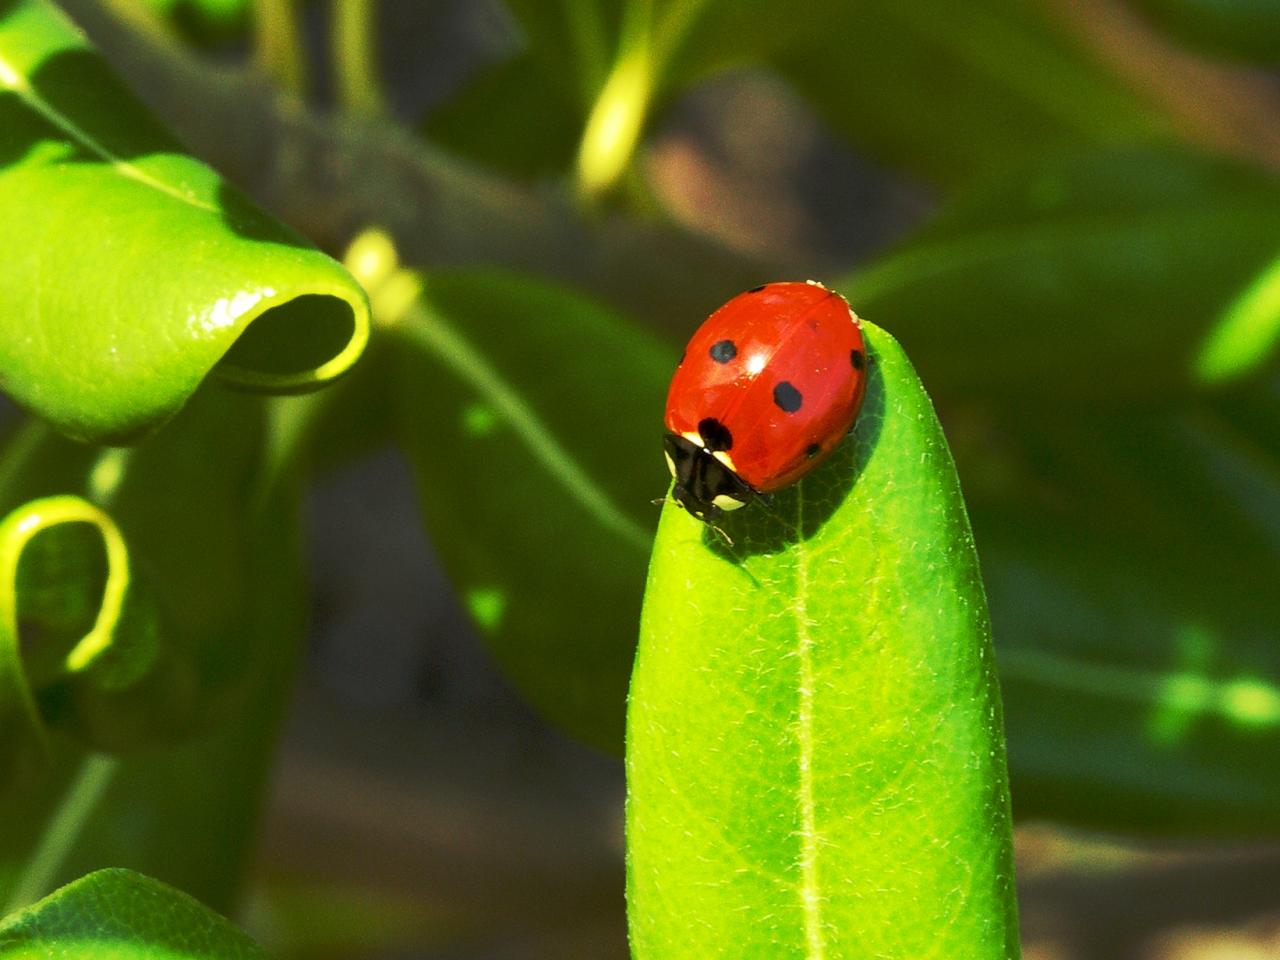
137	270
814	748
23	723
80	645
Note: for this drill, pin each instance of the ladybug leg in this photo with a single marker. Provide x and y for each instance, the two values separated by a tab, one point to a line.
719	532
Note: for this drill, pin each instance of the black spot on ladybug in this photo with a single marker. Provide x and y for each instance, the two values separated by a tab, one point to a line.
857	359
787	397
812	450
724	351
715	435
757	289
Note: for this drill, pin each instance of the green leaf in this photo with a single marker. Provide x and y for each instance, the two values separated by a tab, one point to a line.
1086	277
949	91
529	415
205	23
220	550
138	269
1125	558
814	749
945	90
122	915
80	645
511	119
1240	29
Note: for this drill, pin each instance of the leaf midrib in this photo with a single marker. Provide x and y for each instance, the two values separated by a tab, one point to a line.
810	899
10	79
428	329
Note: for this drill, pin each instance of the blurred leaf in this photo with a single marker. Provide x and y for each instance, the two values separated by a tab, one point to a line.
163	271
205	23
122	915
1242	29
1127	559
1246	332
814	716
222	559
950	91
511	119
1088	277
945	90
532	419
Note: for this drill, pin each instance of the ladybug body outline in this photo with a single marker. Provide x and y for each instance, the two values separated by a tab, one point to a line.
767	387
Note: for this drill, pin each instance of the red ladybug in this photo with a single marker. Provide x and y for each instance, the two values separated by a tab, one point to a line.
766	389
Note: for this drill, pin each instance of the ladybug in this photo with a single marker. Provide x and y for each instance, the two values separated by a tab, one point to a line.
766	389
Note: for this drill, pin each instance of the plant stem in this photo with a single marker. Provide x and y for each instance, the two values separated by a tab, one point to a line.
278	47
617	119
63	829
355	57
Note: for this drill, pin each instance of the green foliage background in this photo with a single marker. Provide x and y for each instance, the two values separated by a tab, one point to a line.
1092	300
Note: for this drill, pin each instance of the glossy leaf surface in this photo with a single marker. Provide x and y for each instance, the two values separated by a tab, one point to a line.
122	915
532	417
814	749
136	270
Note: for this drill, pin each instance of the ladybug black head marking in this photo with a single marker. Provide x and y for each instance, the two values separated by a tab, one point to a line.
703	485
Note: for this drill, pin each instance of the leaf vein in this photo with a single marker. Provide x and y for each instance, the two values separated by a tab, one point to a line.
12	80
427	328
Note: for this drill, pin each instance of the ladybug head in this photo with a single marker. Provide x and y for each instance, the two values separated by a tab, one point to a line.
704	485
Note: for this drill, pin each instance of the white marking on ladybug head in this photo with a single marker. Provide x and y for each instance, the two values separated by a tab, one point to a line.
671	464
725	459
694	437
727	503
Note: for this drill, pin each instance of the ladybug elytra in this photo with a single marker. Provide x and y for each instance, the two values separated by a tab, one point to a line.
766	389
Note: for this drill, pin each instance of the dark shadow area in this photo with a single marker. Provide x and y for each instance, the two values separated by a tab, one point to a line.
770	524
300	335
247	220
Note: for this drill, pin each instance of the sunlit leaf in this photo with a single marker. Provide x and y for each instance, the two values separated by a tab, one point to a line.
136	270
122	915
814	748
